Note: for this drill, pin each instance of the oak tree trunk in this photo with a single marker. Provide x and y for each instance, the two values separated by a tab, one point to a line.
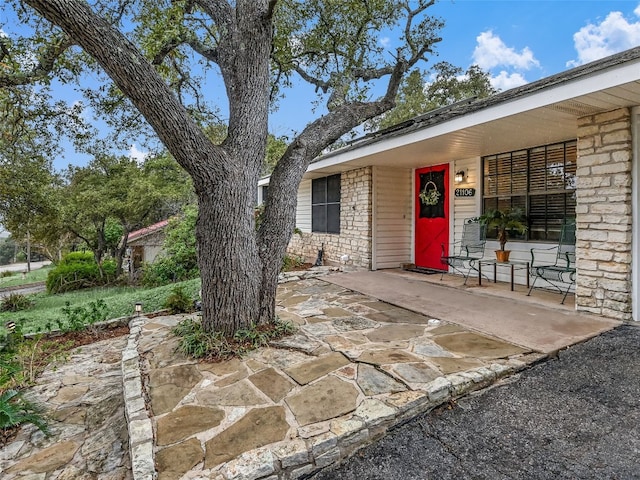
239	268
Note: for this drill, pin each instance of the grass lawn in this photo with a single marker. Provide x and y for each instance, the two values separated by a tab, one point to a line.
120	302
15	279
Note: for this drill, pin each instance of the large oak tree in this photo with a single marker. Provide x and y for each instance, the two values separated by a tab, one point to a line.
259	48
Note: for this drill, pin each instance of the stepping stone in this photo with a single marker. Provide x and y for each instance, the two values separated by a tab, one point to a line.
48	459
328	398
272	384
444	329
389	333
76	379
72	415
165	354
298	341
353	323
221	369
415	372
173	462
68	394
185	422
337	342
333	312
239	394
309	371
169	385
388	356
319	328
290	317
277	357
381	306
474	345
427	348
259	427
453	365
374	382
295	300
399	315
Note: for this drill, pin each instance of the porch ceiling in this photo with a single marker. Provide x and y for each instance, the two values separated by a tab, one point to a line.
511	125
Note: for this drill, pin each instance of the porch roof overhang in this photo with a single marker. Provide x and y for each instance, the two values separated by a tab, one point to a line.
535	114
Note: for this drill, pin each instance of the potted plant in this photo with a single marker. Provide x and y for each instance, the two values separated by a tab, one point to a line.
504	221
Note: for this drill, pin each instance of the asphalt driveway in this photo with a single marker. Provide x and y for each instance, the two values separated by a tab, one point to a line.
576	416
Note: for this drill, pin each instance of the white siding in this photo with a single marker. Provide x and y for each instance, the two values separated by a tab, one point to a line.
466	207
303	211
392	217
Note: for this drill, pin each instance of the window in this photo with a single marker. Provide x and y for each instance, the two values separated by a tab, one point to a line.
325	204
540	180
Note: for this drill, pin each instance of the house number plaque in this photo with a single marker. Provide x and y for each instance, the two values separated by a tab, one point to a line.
465	192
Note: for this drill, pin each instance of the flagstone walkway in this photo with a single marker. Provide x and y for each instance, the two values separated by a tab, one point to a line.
354	368
85	409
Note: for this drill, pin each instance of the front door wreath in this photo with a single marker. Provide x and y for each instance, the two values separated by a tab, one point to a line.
430	194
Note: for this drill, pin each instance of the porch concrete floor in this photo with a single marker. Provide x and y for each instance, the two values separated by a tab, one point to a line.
538	322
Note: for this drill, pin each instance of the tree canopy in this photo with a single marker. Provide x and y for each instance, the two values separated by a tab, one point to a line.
443	85
160	56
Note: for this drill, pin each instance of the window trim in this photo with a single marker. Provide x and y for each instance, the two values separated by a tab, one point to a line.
569	152
326	203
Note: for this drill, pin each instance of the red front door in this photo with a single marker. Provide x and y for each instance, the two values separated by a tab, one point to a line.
432	215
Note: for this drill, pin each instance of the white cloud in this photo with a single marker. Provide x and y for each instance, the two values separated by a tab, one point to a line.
505	80
614	34
384	41
492	52
137	155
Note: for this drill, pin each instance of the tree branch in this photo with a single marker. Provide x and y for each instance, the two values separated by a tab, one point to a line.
43	67
219	10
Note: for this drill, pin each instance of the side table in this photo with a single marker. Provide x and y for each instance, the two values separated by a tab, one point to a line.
512	264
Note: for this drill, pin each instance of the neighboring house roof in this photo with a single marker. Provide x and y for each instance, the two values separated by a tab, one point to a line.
143	232
538	113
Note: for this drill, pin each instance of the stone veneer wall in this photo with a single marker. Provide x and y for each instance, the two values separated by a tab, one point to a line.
603	214
355	225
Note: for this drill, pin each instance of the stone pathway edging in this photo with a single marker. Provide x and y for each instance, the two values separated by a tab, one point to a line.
138	421
370	421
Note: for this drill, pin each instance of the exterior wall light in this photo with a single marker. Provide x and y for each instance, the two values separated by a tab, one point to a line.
459	176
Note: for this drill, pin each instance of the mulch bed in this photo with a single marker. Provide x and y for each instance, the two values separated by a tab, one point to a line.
85	337
298	268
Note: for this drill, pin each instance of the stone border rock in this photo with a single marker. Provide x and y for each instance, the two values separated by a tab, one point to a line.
313	272
138	421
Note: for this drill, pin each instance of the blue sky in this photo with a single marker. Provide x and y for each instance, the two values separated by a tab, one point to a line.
516	41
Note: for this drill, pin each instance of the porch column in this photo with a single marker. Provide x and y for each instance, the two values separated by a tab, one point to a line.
604	214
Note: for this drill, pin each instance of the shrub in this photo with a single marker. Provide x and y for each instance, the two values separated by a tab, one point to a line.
7	273
76	271
179	260
77	257
16	410
15	302
77	318
197	343
179	301
289	262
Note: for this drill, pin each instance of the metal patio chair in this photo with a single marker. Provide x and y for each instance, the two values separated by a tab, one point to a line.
468	250
562	272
